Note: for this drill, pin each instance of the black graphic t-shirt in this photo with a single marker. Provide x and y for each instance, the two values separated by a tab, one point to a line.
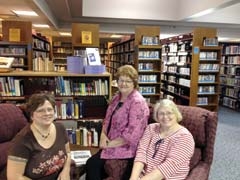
42	163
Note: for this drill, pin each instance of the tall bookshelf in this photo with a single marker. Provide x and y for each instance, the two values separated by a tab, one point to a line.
41	59
230	75
147	60
61	48
191	69
35	49
121	53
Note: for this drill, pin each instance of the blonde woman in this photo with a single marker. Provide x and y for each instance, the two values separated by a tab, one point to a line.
165	149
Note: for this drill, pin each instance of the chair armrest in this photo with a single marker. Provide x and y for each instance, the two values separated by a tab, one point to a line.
201	171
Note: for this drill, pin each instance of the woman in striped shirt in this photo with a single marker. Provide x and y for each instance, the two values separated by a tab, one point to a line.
165	149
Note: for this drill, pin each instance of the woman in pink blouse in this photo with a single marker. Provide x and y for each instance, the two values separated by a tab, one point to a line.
165	149
123	126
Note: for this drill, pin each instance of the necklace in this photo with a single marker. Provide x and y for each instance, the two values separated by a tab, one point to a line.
42	135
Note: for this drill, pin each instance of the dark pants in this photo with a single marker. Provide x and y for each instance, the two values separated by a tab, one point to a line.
95	168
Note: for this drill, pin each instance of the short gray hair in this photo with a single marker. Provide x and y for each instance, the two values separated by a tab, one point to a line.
169	104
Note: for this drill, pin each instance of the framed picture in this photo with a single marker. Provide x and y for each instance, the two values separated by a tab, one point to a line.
6	62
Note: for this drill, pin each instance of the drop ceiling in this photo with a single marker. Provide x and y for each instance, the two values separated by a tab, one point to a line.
173	16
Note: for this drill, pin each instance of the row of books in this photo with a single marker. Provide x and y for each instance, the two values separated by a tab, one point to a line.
13	51
202	101
208	55
206	89
231	60
42	64
147	78
125	47
9	86
150	40
230	81
66	87
210	41
232	70
69	108
147	90
208	67
39	44
83	136
233	92
148	55
232	103
232	49
145	66
206	78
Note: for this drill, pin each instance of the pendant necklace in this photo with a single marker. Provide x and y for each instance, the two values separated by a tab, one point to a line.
39	132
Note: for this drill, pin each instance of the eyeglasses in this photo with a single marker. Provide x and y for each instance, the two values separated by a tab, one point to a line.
168	114
121	81
42	111
156	147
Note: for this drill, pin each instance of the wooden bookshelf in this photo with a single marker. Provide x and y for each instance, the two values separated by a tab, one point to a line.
121	53
230	75
147	60
61	48
191	70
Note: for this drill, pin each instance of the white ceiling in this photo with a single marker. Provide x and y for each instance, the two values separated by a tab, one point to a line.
173	16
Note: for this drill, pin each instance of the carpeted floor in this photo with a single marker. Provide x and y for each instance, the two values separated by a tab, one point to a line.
226	163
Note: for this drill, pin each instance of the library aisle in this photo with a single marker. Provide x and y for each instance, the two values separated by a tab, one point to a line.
227	147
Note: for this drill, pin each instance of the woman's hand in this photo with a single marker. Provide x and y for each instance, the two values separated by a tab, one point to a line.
103	141
64	175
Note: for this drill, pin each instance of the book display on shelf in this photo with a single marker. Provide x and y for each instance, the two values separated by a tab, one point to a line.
230	75
194	62
148	61
93	56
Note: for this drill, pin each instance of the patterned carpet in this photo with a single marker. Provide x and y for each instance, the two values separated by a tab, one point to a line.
226	163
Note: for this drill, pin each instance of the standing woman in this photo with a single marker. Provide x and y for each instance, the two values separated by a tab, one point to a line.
41	149
165	150
123	126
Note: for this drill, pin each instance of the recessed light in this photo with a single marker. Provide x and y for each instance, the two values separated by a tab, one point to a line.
41	25
25	13
65	33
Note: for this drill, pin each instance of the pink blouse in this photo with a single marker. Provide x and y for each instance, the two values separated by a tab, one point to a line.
128	122
173	153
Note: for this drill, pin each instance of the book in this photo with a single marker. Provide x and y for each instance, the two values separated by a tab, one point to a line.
6	62
93	56
80	157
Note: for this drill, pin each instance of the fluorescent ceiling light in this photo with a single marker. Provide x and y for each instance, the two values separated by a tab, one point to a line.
202	13
116	36
41	25
65	33
164	36
25	13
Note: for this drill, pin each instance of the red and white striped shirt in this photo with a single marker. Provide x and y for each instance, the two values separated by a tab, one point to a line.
172	155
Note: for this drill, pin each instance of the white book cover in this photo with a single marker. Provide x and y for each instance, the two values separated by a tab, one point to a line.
80	157
93	56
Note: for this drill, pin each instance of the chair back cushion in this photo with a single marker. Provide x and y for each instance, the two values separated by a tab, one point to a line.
12	121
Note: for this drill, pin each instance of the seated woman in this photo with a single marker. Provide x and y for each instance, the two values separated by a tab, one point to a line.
41	149
165	149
